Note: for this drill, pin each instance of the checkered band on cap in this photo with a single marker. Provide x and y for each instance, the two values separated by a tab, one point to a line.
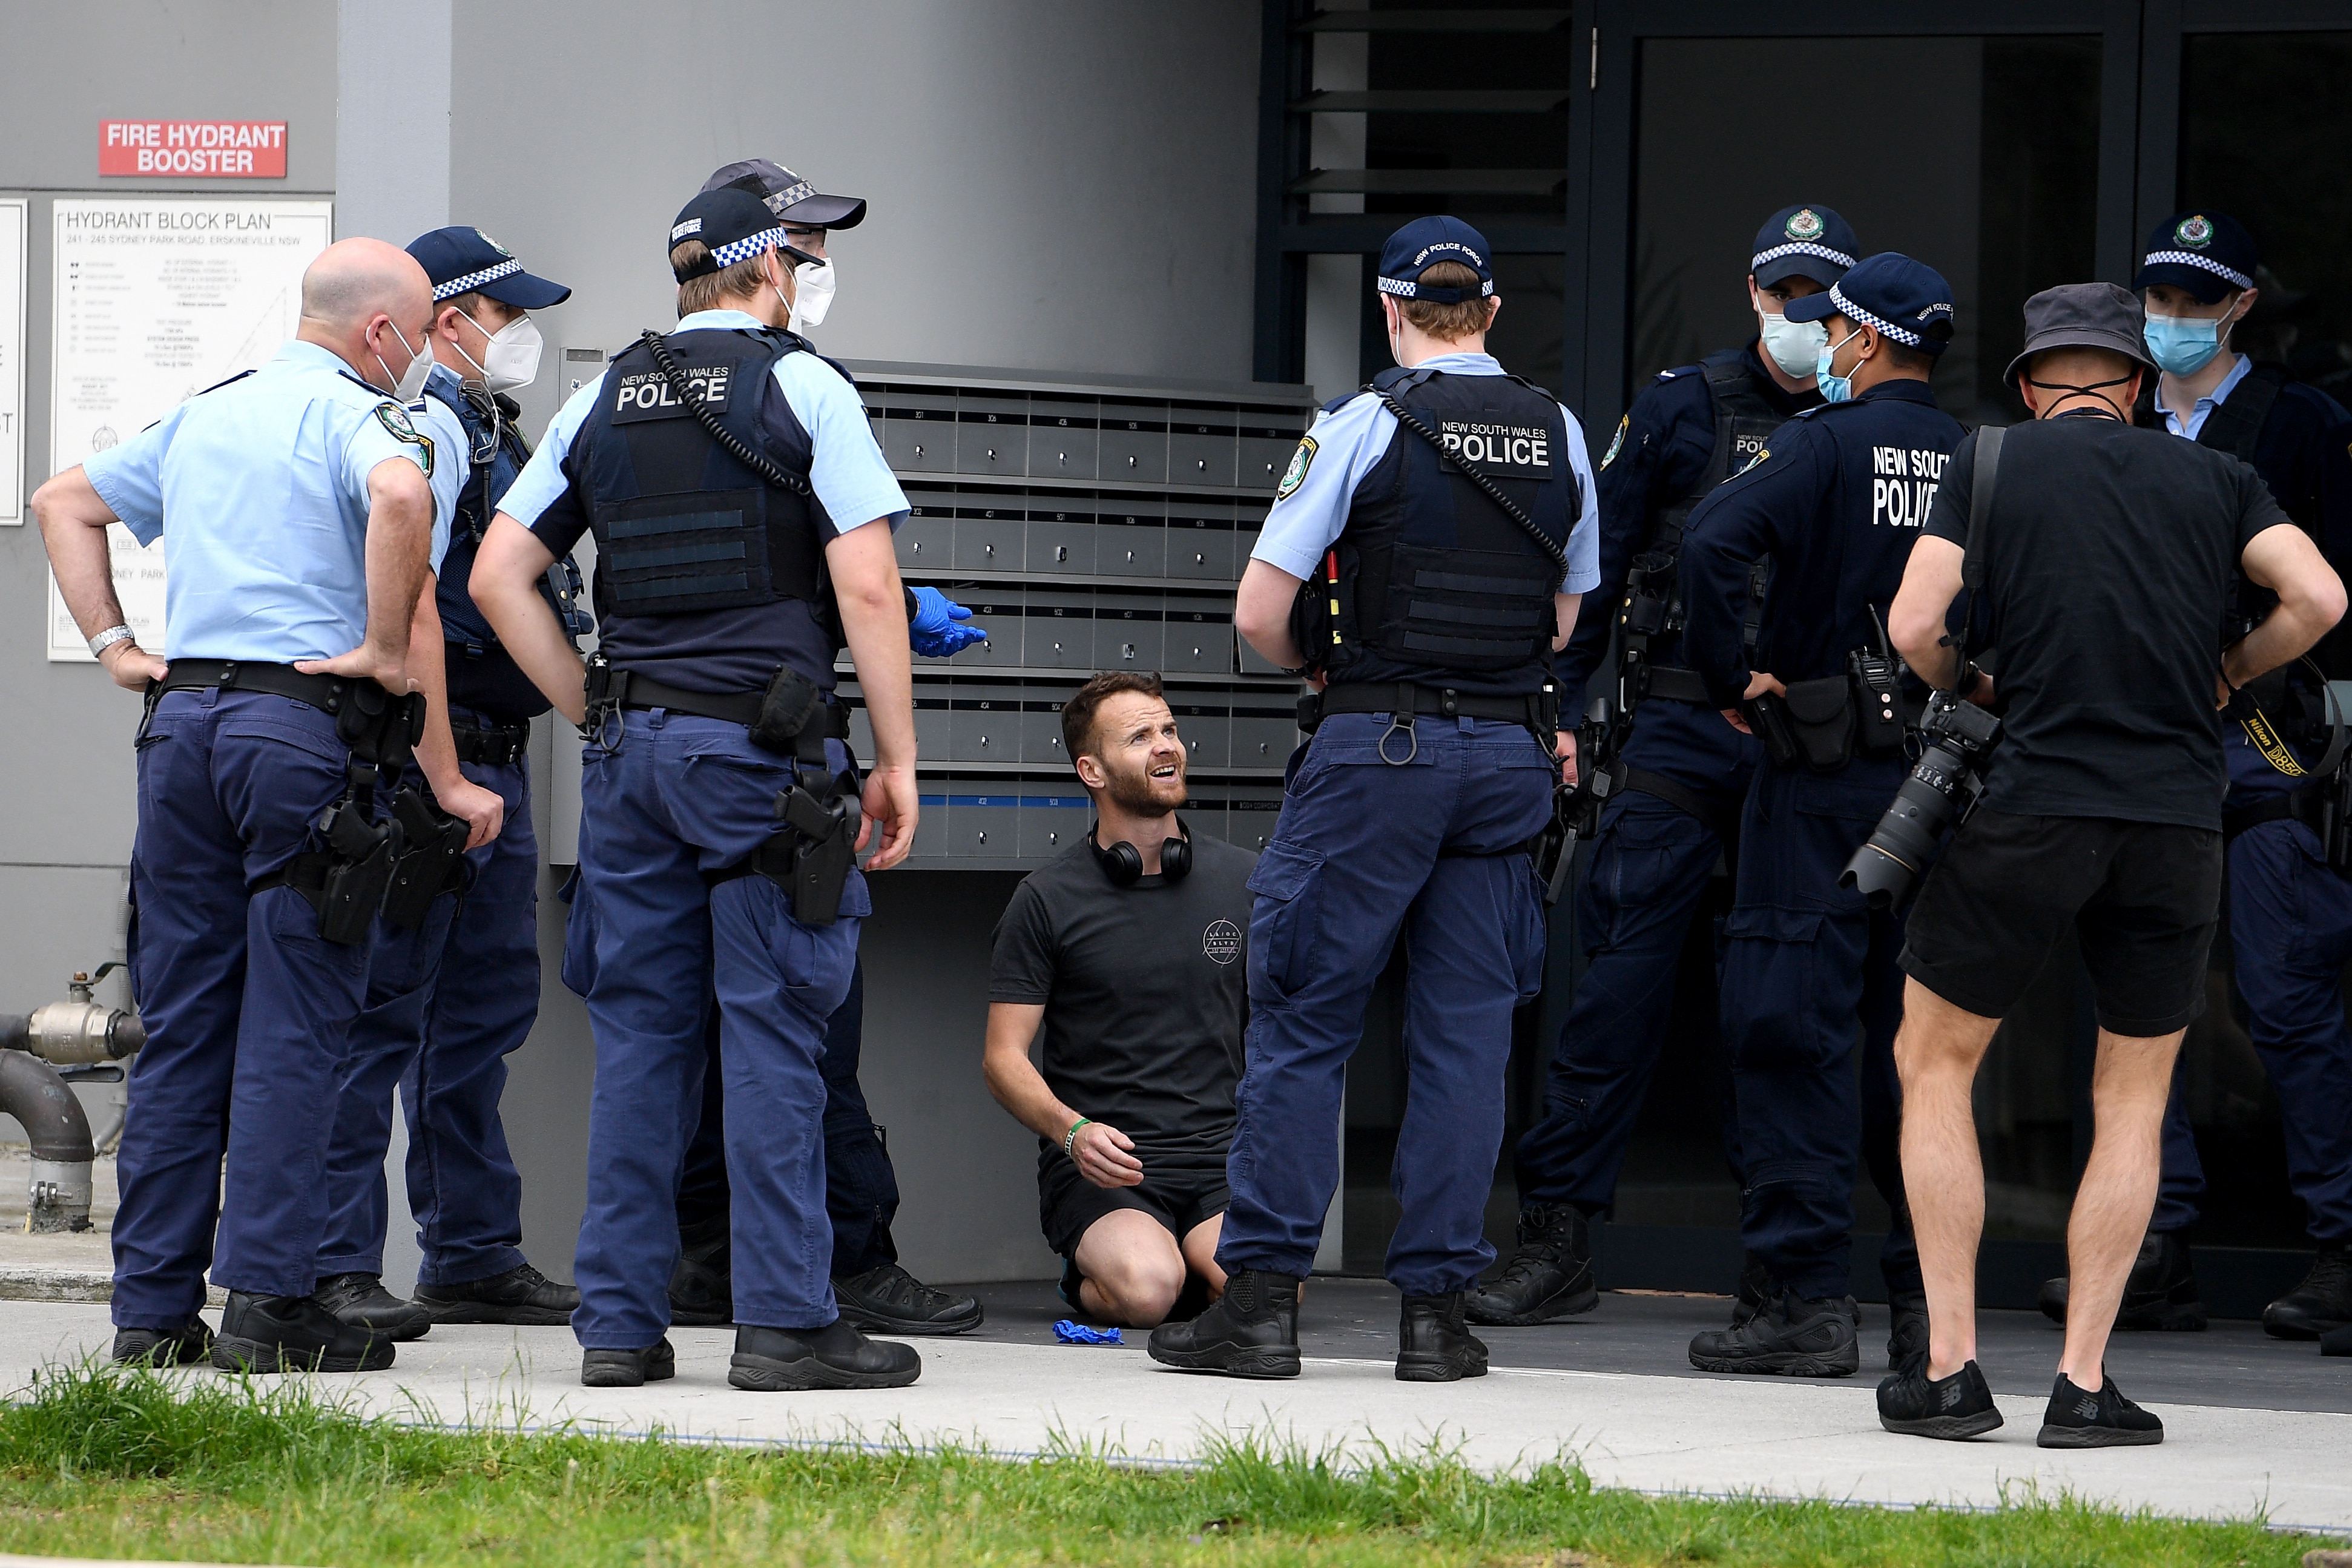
1405	288
790	196
1880	324
473	281
750	246
2231	275
1800	247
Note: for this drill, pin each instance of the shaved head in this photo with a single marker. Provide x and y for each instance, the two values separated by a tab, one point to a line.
354	279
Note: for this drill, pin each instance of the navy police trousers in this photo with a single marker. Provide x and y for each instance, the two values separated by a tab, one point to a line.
861	1190
666	797
1362	853
1807	967
246	1007
446	1004
2290	937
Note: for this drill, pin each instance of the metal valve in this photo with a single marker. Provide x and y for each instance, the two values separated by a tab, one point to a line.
80	1031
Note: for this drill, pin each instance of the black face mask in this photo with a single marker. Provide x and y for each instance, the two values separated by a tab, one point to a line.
2108	410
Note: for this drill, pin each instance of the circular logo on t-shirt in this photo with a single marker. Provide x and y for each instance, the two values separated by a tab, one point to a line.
1221	942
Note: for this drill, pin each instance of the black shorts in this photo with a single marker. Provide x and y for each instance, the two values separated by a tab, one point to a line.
1067	1202
2143	898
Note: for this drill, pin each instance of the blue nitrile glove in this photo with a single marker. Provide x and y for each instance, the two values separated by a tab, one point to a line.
934	627
1071	1333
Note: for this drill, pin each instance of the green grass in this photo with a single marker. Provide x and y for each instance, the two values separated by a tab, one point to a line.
98	1462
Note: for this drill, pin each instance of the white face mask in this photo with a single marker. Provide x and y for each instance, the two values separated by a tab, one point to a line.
812	293
1793	346
409	385
511	358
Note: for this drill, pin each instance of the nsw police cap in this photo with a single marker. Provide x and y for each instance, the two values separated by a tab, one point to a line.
1422	245
789	197
1803	241
463	260
2209	254
734	224
1904	300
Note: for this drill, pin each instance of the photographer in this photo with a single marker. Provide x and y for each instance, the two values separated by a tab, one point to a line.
2104	555
1128	951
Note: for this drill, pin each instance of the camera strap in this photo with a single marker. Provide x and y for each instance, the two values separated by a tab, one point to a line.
1982	478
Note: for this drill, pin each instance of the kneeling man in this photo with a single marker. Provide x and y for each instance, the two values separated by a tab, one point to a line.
1130	949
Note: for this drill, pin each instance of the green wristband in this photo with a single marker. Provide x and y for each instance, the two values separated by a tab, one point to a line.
1070	1139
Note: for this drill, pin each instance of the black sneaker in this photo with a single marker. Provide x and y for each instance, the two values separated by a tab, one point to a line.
2159	1293
184	1346
2336	1342
1550	1275
780	1361
1792	1337
360	1300
2321	1304
293	1334
521	1295
1432	1344
889	1301
1907	1333
702	1285
1950	1407
1253	1331
2079	1419
656	1363
1758	1289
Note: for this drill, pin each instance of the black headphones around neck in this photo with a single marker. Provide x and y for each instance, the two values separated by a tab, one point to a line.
1123	863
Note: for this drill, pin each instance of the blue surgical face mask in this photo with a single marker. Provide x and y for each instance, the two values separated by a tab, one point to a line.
1834	388
2183	345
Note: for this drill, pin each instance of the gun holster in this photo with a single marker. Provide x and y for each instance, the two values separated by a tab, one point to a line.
346	881
429	863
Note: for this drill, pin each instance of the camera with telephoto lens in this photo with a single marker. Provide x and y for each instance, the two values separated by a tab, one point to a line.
1938	797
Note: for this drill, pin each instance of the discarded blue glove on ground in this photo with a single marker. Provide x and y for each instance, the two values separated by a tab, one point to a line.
1071	1333
936	630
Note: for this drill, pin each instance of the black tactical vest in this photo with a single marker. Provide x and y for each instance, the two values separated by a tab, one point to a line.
1744	419
681	524
2235	424
1437	584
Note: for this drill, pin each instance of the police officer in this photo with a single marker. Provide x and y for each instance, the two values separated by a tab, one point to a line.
743	518
1423	558
861	1189
304	528
451	995
2290	909
1832	502
1679	781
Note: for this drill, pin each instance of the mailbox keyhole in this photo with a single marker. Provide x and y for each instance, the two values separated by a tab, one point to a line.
919	449
991	451
1130	462
988	549
1126	650
1061	553
984	835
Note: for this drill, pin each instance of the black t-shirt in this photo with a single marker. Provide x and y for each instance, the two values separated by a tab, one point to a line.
2108	562
1145	990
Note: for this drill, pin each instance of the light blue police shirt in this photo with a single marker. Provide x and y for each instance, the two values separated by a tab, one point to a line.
1351	438
852	481
261	486
2188	425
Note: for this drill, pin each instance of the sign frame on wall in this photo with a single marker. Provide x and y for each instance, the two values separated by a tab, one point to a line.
16	222
152	300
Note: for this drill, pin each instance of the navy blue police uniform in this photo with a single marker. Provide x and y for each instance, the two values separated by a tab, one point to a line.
248	939
1429	609
1833	504
2290	912
452	996
1677	785
711	589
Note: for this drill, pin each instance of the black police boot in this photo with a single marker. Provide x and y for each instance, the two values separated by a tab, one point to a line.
293	1334
1758	1289
1252	1332
2077	1419
2321	1304
702	1285
656	1363
2160	1292
1791	1337
1550	1275
1950	1407
889	1301
360	1300
780	1361
1906	1333
521	1295
184	1346
1432	1344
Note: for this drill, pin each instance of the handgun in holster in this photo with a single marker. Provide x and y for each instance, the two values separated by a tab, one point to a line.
360	853
430	861
1576	808
823	847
